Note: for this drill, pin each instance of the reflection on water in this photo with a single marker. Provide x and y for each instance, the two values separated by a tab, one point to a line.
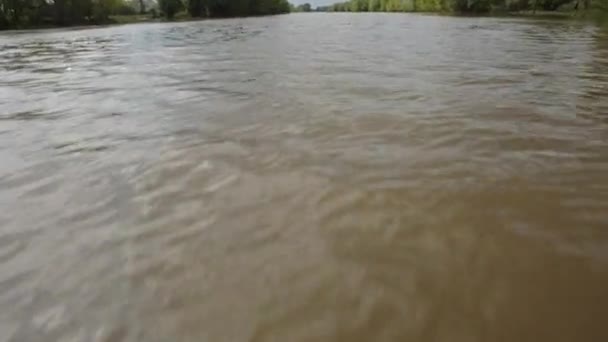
305	177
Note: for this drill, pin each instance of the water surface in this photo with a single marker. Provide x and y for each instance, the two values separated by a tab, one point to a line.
314	177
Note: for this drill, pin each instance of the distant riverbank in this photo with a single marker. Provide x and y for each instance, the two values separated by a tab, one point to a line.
557	15
26	14
493	8
596	16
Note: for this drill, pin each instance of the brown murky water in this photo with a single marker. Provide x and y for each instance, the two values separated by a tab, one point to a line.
305	178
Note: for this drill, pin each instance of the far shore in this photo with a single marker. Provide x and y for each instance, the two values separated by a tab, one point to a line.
183	17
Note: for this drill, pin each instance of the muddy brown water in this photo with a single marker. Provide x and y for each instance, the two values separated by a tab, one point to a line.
308	177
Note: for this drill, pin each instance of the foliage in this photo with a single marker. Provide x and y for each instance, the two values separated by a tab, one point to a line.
170	7
235	8
124	9
102	9
303	8
462	6
28	13
25	13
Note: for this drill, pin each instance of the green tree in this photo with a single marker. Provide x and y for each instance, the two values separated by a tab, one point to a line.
101	9
197	8
373	6
169	7
304	8
24	13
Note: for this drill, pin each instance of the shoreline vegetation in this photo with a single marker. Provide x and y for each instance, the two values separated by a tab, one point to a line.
24	14
519	8
42	14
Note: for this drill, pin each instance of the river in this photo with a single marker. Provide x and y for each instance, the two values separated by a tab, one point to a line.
305	177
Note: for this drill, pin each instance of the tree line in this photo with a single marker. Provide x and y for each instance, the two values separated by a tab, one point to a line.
36	13
223	8
462	6
40	13
26	13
